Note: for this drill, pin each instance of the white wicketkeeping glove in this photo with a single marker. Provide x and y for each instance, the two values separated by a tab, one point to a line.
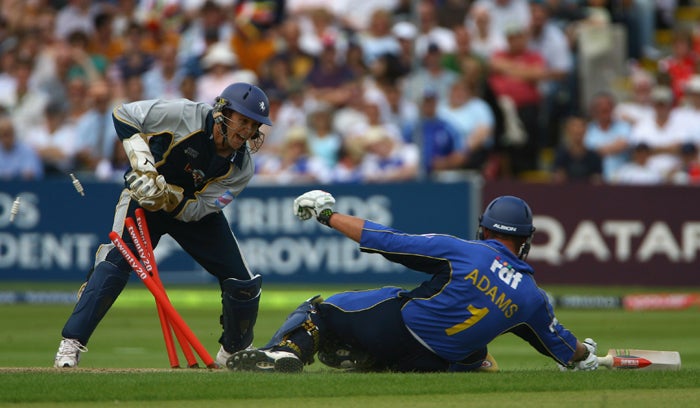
311	203
139	154
152	192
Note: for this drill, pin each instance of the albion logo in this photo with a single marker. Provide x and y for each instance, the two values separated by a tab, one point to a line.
504	227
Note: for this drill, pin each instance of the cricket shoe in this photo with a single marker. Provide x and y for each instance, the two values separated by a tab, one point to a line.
68	355
265	361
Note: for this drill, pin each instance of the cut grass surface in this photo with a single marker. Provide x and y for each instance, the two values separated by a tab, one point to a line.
127	363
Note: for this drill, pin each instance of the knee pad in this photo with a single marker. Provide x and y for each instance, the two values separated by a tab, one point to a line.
240	301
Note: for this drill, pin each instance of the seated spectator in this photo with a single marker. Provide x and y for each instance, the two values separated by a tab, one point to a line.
164	77
323	141
430	32
639	105
348	168
294	164
18	160
573	161
663	132
637	171
607	136
388	159
221	69
430	74
473	119
515	76
95	129
54	138
486	39
438	138
329	80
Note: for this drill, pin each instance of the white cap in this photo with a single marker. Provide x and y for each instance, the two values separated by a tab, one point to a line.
221	54
404	30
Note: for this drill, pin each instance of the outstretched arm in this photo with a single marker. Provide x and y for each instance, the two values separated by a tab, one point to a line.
319	204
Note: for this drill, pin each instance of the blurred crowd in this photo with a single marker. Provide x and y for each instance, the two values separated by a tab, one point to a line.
360	91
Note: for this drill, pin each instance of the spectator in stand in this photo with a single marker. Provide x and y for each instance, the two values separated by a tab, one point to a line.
76	15
204	26
135	60
348	169
323	141
299	61
689	171
638	171
54	139
515	76
401	110
681	64
378	40
24	101
573	161
663	132
607	136
221	68
689	110
95	129
90	65
431	74
430	32
78	101
473	119
329	80
486	39
639	105
550	41
405	33
464	61
164	77
103	41
387	158
295	163
437	138
18	160
318	27
506	13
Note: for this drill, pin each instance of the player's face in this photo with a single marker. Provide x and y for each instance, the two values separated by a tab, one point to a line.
239	129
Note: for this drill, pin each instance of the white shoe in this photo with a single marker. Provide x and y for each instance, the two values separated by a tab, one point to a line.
265	361
221	357
68	354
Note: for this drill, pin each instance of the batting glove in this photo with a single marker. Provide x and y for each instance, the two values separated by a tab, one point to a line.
312	204
591	362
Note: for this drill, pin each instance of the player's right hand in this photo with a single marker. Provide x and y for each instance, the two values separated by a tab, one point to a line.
311	203
591	362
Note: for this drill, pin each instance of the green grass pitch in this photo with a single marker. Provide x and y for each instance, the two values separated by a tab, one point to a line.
127	364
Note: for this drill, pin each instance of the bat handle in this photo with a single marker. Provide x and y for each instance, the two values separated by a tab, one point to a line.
606	361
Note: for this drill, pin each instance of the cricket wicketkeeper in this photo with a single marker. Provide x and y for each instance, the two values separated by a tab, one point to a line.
188	161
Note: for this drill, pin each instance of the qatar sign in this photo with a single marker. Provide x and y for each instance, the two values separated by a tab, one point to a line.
611	234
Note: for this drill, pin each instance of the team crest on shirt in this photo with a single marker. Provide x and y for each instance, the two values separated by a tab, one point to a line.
197	175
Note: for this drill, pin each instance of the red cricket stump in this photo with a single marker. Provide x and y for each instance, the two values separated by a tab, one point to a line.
172	314
144	248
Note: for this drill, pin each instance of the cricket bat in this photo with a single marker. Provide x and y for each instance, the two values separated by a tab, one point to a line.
641	359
